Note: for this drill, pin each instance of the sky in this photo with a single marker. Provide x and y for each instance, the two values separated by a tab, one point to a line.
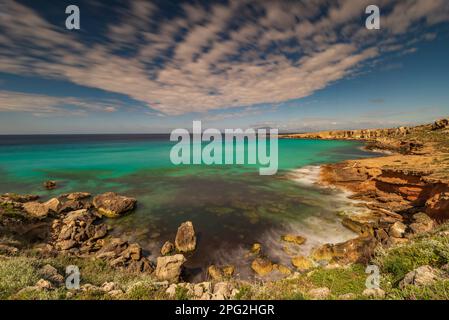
153	66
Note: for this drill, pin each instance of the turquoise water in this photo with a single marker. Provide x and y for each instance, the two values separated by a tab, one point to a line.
231	206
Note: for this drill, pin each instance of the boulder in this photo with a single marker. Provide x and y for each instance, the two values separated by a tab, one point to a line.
113	205
262	266
51	273
71	205
50	185
43	285
185	240
167	248
36	209
293	239
422	276
422	223
220	273
397	229
302	263
355	250
283	269
169	268
222	291
22	198
440	124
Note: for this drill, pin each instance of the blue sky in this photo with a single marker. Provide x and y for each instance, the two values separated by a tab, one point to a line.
141	66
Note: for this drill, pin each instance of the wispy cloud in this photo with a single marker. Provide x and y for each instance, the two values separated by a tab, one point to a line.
202	59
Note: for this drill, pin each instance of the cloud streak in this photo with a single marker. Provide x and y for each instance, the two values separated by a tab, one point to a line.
202	59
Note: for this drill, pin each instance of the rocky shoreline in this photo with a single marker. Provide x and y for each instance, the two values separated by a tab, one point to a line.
405	195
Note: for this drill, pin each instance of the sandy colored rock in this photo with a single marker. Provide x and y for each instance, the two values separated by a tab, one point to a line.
293	239
185	240
422	276
53	204
397	229
302	263
262	266
167	248
319	293
36	209
169	268
113	205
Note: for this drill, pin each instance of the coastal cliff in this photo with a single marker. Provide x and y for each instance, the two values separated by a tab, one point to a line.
415	177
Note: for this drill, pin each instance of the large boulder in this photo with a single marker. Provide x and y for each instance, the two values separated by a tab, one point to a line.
113	205
185	240
169	268
167	248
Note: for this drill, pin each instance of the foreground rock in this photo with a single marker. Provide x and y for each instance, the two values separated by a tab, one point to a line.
355	250
113	205
220	273
169	268
36	209
422	276
185	240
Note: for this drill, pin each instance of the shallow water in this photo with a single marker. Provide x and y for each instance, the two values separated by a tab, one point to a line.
231	206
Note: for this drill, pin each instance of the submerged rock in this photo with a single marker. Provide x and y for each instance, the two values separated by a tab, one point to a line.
302	263
262	266
113	205
50	185
220	273
185	240
256	248
293	239
169	268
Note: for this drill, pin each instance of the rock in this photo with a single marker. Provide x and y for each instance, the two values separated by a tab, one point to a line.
293	239
115	293
36	209
374	293
71	205
262	266
422	223
319	293
169	267
78	195
220	273
422	276
50	185
200	289
347	296
134	252
51	273
53	204
302	263
215	272
397	229
66	244
256	248
171	290
185	240
100	231
393	241
440	124
113	205
44	285
283	269
354	250
21	198
222	291
167	248
109	286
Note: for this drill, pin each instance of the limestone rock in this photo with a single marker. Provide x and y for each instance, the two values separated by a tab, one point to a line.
293	239
169	267
397	229
51	273
185	240
167	248
422	276
262	266
256	248
36	209
53	204
44	284
78	195
302	263
374	293
113	205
